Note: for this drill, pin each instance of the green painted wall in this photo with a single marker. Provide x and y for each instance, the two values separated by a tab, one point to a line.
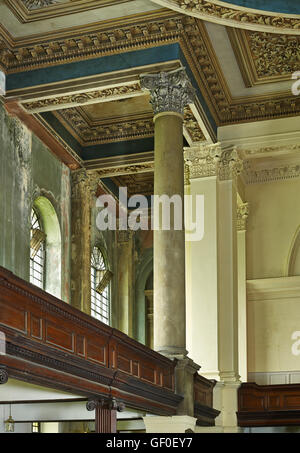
28	170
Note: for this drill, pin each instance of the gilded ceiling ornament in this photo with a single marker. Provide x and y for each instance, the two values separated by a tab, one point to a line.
170	91
103	132
37	4
192	126
242	16
82	98
242	216
195	43
274	54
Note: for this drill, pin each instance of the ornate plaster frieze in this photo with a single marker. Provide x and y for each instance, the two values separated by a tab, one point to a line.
82	98
112	131
84	184
123	128
37	4
195	44
79	44
126	170
34	10
169	91
224	107
254	174
213	160
234	16
273	150
192	126
242	216
265	57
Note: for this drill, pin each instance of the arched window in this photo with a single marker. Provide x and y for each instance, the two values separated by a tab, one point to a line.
45	247
37	250
100	288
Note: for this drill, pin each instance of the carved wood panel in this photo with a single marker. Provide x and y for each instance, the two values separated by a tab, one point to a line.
48	332
269	405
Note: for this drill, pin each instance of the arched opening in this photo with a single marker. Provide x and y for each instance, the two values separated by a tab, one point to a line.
100	286
143	284
49	224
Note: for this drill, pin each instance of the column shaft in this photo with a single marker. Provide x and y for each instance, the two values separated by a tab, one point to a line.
81	204
169	245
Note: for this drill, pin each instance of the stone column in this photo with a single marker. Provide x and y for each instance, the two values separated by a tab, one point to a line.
83	192
212	271
125	278
170	93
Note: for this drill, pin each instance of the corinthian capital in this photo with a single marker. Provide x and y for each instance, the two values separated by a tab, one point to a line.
84	183
213	160
170	91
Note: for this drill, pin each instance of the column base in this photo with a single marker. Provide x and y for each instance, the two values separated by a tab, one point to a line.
175	424
172	352
226	401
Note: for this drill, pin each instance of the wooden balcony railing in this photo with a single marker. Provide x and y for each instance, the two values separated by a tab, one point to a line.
50	343
268	405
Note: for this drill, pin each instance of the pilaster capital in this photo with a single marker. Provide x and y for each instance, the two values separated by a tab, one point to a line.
213	160
242	216
170	91
84	183
188	366
111	404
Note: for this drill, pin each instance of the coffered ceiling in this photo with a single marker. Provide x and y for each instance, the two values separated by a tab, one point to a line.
73	67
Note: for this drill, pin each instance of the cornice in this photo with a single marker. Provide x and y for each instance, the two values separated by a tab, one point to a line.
83	98
277	172
109	131
204	161
235	16
265	57
80	43
34	10
121	128
269	163
151	31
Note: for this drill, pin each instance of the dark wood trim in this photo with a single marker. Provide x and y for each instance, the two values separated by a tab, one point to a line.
42	401
203	401
50	343
268	405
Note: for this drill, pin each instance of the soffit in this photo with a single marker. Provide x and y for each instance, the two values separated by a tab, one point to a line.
21	22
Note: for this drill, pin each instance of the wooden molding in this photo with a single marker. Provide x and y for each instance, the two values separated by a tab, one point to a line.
50	343
268	405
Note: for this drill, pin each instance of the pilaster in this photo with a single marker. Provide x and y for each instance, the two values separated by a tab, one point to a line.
83	186
213	274
125	251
